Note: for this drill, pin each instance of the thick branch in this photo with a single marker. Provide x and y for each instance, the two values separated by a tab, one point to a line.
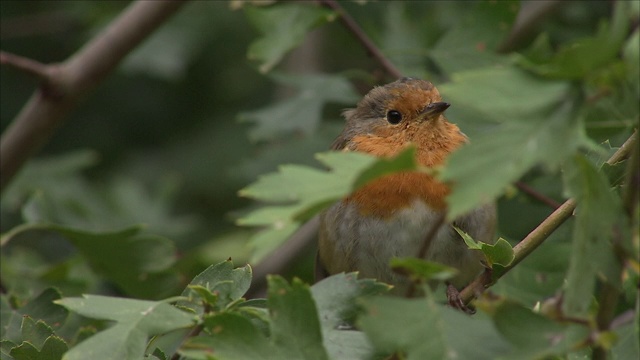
67	83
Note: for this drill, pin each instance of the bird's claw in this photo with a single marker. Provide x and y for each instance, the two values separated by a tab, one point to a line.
454	300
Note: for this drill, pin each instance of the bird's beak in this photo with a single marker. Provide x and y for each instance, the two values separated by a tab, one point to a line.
434	109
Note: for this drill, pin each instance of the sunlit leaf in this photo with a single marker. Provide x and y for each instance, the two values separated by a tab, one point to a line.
303	191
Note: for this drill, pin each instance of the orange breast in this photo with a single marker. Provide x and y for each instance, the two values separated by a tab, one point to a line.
383	196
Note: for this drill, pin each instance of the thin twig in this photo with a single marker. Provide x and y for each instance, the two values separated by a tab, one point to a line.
537	195
536	237
31	67
528	18
364	39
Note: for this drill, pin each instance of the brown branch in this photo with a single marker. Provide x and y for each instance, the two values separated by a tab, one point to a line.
540	233
364	39
31	67
537	195
64	85
531	12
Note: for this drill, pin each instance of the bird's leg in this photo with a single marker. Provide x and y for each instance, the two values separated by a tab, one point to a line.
454	300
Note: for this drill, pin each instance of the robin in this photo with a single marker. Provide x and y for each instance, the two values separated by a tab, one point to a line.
393	215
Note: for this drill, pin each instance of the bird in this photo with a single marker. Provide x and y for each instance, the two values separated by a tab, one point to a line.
393	215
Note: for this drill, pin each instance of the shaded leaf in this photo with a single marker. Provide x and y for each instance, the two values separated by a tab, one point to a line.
34	332
233	337
136	321
292	312
422	329
592	254
419	269
42	308
503	94
138	263
283	28
507	153
543	337
53	348
472	43
583	57
302	112
335	299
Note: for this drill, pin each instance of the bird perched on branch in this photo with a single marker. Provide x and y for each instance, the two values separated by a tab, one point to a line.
396	215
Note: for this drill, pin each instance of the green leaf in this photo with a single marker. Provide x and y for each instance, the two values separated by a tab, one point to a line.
401	39
500	253
592	255
302	112
220	284
335	299
489	92
35	332
583	57
543	337
419	269
293	311
472	43
56	174
42	308
283	27
294	329
5	349
541	273
53	348
54	190
136	321
628	345
422	329
508	152
138	263
305	191
233	337
631	54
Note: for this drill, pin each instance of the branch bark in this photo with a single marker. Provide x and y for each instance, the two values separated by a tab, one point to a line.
64	85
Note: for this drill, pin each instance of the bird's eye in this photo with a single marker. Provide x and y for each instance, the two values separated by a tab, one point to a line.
394	116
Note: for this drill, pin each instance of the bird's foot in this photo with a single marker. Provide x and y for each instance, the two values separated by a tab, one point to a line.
454	300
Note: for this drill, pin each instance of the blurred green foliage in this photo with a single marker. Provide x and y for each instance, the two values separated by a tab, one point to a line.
138	192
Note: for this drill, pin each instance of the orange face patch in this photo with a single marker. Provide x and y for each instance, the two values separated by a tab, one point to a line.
435	140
